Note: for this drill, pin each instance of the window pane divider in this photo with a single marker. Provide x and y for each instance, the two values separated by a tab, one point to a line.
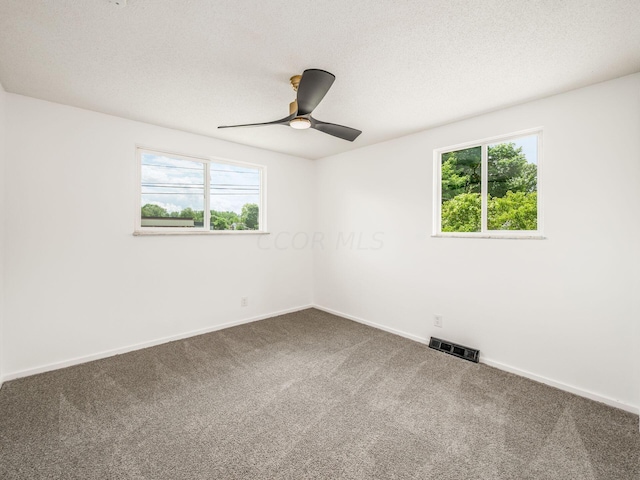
206	218
484	181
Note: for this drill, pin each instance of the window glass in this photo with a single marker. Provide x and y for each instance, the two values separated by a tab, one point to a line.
172	191
461	184
235	197
513	184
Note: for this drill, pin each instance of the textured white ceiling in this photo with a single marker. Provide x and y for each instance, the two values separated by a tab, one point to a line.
400	66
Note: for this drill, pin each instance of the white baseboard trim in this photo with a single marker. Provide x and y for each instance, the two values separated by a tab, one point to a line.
410	336
499	365
561	386
138	346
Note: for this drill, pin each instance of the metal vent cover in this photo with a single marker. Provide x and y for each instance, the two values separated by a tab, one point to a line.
454	349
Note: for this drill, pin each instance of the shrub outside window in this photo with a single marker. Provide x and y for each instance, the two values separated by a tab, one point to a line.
489	188
188	194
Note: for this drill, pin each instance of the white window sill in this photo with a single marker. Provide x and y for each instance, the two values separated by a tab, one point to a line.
142	233
488	235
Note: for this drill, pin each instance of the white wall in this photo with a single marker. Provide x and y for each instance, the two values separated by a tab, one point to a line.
2	232
81	284
563	309
559	309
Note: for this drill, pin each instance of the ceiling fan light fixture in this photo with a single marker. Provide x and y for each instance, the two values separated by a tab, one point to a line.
300	123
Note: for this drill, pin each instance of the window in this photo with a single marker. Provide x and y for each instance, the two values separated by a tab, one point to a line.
184	194
489	188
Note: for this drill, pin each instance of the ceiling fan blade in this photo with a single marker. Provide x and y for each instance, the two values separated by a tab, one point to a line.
282	121
340	131
314	85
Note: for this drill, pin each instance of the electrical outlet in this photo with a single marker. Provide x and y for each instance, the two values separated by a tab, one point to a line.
437	320
244	301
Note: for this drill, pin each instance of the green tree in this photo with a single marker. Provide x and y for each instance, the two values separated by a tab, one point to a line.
461	172
250	215
219	223
187	213
509	170
224	220
151	210
454	182
462	213
514	211
527	179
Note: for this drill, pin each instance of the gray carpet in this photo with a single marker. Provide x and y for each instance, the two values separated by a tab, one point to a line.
304	396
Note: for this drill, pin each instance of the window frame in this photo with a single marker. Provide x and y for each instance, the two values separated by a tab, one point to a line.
206	161
483	144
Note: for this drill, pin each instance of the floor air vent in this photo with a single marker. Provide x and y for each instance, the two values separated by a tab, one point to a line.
467	353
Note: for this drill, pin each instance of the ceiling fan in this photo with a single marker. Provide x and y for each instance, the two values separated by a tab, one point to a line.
311	87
